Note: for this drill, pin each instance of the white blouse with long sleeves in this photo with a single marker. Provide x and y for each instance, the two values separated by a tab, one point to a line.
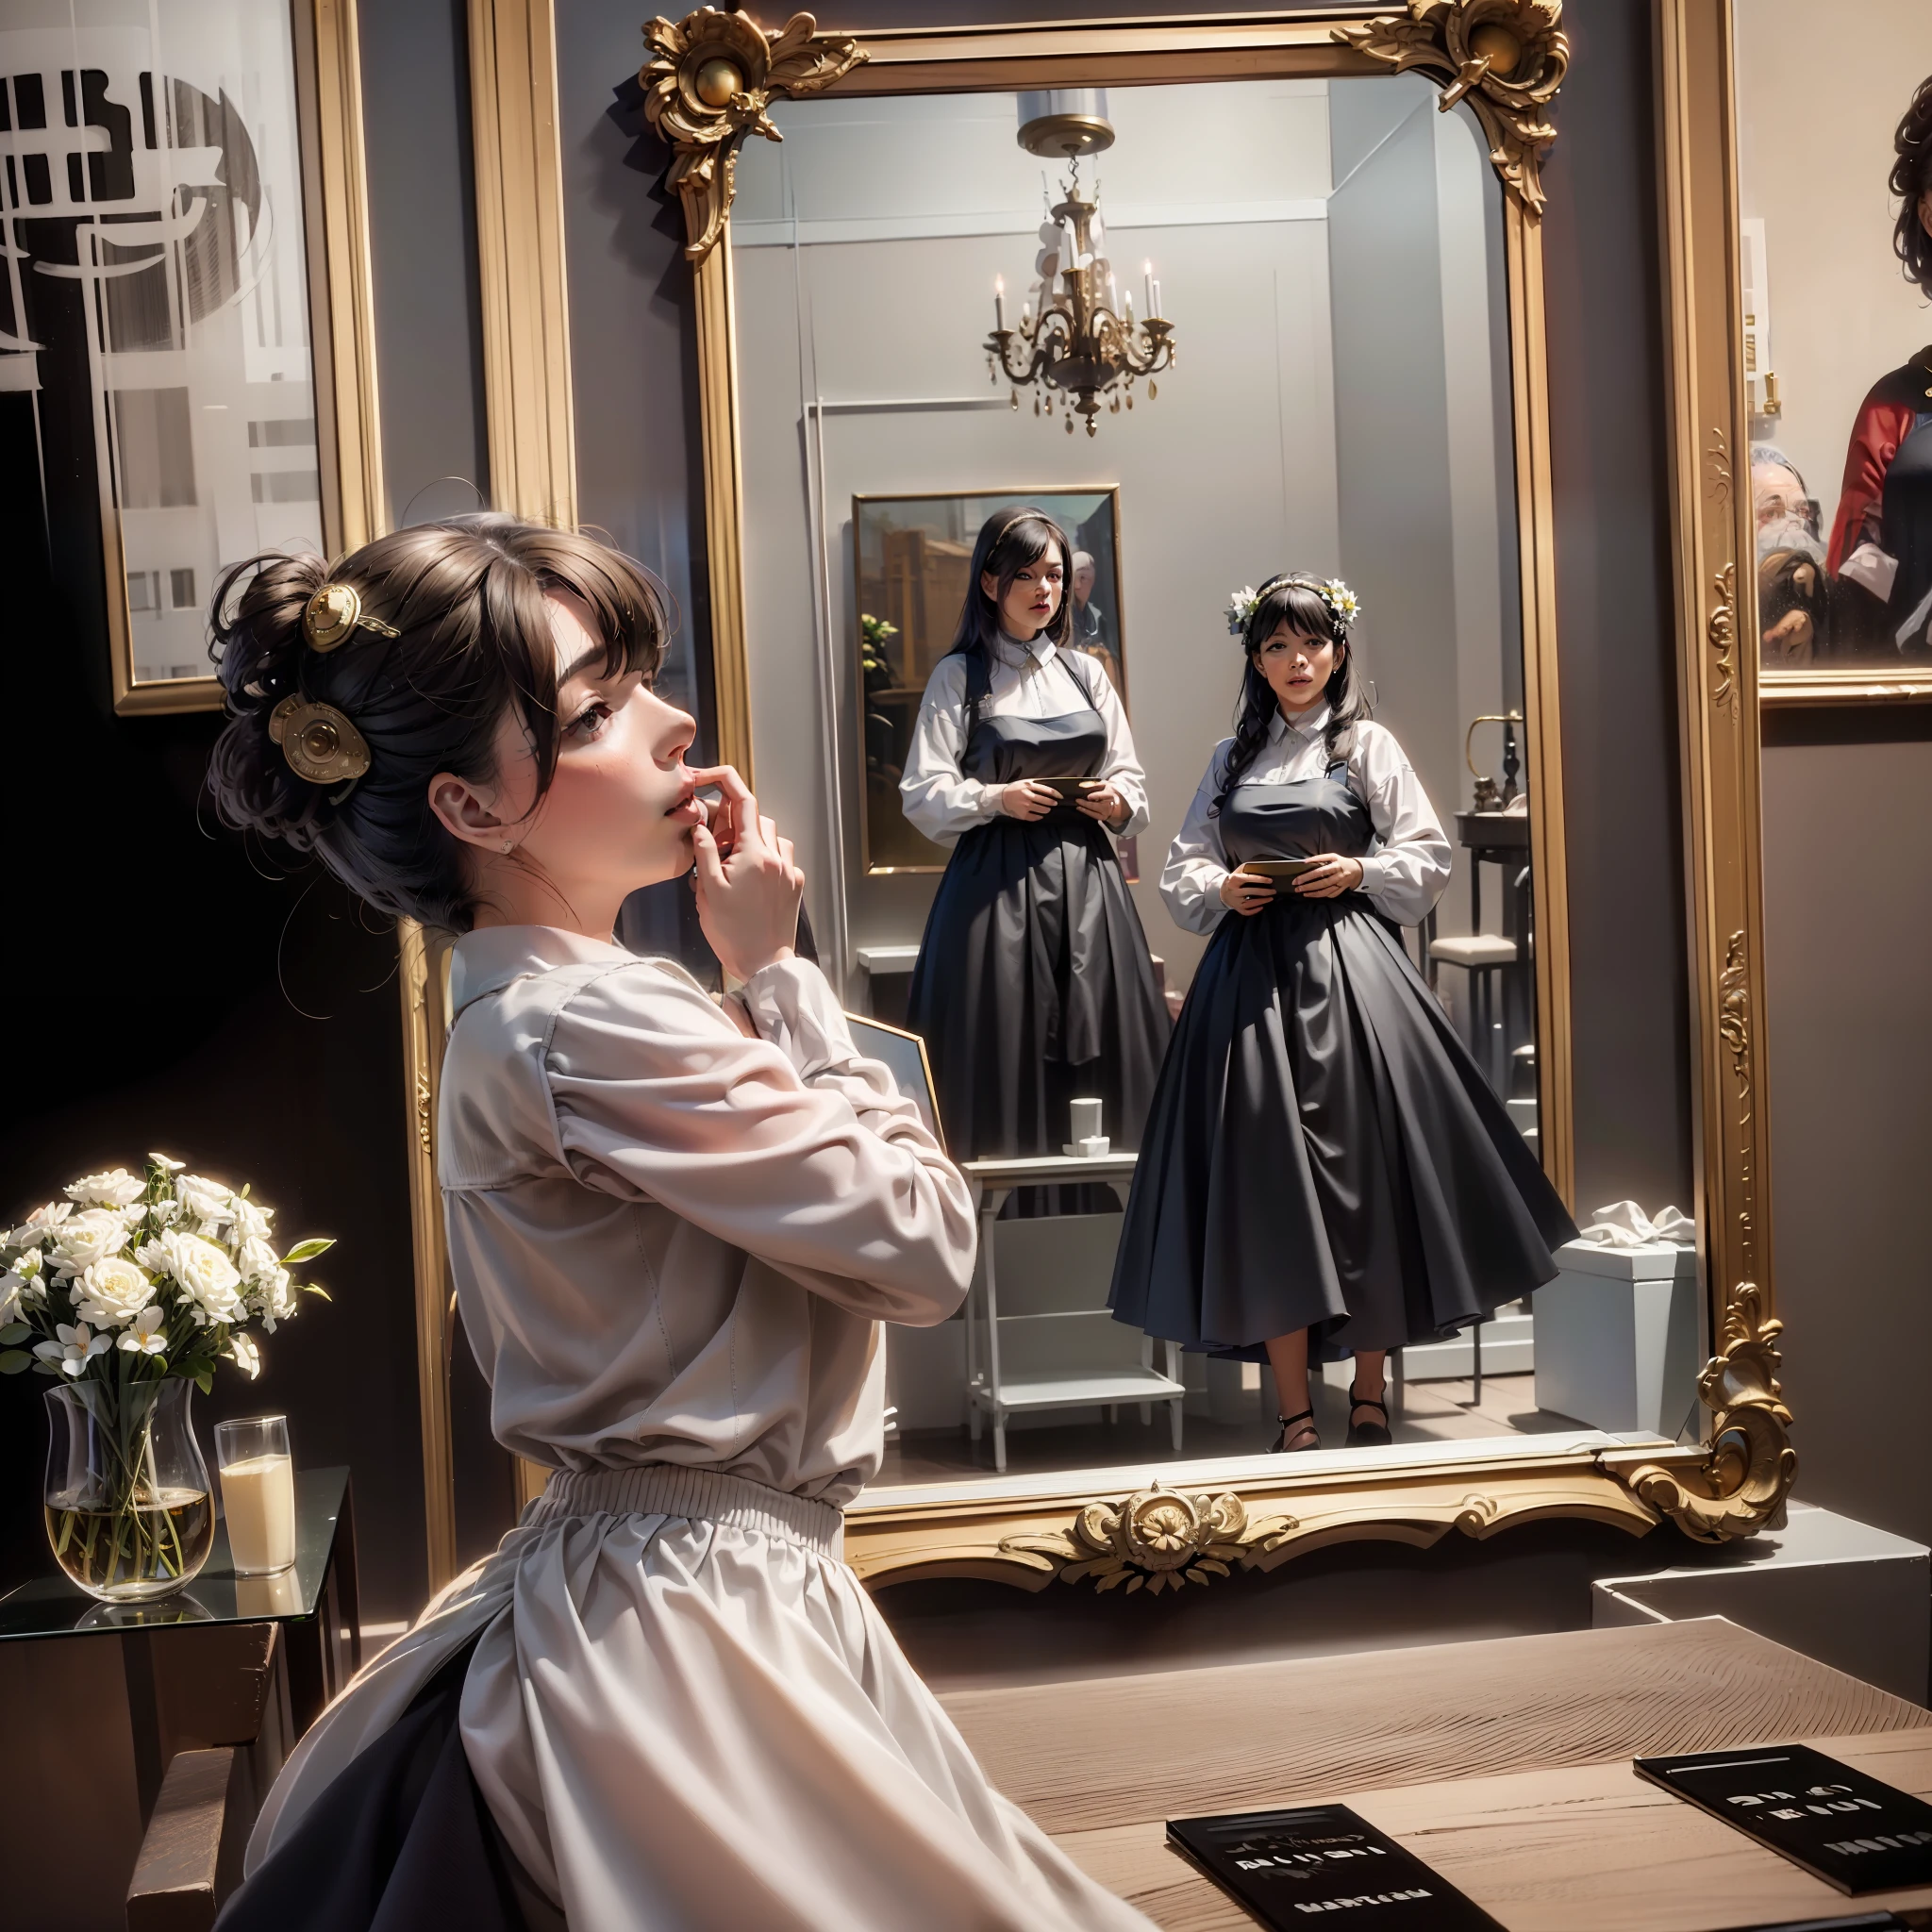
1028	680
1404	878
672	1245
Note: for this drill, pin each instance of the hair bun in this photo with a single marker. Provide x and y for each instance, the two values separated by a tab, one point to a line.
256	622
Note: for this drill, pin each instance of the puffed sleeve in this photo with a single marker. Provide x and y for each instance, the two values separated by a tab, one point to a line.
791	1146
1197	862
1406	876
1121	769
936	795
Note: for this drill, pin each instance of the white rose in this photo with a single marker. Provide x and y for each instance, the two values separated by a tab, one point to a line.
115	1187
205	1274
256	1259
251	1222
112	1292
40	1225
88	1237
204	1200
274	1299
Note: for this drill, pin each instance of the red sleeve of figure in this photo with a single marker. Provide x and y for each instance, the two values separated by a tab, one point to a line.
1883	423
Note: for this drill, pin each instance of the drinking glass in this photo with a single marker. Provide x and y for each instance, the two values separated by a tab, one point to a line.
258	1492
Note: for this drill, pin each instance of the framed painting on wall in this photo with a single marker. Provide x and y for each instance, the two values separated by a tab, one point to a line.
909	563
184	333
1835	247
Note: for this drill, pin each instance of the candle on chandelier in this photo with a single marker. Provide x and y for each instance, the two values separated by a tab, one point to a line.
999	302
1152	291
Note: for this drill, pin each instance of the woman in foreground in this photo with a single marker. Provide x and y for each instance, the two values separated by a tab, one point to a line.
665	1701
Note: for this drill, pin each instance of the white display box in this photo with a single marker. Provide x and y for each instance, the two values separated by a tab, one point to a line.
1616	1337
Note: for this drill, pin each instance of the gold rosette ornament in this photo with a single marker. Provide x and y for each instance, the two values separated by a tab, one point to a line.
1157	1540
1506	58
319	742
710	80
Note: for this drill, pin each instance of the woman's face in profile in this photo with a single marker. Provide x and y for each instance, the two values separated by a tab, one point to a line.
1033	598
620	808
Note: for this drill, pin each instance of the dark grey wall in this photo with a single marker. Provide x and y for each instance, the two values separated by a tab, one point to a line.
1629	1001
1848	933
422	257
633	350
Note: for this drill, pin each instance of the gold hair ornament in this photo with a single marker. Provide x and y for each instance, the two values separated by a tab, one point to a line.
335	614
319	742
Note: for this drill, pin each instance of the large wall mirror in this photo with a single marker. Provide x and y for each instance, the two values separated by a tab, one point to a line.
1331	233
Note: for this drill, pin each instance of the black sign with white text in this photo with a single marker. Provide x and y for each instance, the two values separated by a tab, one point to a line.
1840	1825
1291	1867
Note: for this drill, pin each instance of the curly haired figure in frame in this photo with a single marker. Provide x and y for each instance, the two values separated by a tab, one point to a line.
1325	1165
674	1227
1881	539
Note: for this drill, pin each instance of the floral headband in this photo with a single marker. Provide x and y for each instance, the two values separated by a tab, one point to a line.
1343	604
319	742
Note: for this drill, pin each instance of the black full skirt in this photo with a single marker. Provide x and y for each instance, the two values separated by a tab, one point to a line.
1034	986
1323	1153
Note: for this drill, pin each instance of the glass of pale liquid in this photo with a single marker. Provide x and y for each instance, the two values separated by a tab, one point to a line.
258	1493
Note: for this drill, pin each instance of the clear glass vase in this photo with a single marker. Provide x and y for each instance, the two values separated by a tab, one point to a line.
130	1511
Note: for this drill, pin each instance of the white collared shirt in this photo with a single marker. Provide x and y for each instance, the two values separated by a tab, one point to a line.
1404	878
1029	681
672	1243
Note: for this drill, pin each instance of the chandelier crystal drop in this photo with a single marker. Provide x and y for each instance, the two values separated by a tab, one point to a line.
1080	344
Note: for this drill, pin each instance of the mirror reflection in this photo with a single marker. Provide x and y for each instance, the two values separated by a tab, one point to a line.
1227	994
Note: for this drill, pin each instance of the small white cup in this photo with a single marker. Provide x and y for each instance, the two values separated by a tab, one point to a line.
1085	1121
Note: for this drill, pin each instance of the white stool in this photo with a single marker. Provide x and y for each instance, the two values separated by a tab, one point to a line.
1482	956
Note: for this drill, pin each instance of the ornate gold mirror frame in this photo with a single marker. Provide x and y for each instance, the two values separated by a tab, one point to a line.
710	80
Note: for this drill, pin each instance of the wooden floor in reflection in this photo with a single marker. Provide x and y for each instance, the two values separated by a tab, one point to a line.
1427	1412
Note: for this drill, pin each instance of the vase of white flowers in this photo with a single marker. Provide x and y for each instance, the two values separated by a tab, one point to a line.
129	1291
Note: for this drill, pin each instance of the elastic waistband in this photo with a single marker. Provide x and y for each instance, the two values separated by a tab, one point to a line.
701	1495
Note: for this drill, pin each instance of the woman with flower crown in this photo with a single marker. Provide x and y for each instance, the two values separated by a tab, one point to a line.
1324	1167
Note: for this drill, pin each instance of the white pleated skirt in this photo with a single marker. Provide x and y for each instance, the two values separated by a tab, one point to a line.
684	1712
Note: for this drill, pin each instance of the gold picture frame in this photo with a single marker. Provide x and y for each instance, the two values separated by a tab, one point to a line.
1042	495
1506	59
335	274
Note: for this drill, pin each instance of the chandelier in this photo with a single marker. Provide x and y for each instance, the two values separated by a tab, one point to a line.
1082	350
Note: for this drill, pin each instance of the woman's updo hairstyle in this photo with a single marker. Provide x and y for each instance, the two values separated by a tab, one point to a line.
1295	598
1911	179
466	602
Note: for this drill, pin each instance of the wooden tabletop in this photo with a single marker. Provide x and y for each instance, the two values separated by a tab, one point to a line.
1505	1765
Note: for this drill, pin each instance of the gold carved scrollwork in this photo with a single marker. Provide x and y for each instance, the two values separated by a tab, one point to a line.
1742	1482
1721	632
710	80
1506	58
1158	1538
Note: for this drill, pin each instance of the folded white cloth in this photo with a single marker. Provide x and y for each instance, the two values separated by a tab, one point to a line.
1624	1225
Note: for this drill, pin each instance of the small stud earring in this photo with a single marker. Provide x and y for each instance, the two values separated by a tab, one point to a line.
509	845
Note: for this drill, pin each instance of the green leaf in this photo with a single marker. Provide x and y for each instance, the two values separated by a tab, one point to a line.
14	1361
204	1380
307	1250
14	1331
312	1287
